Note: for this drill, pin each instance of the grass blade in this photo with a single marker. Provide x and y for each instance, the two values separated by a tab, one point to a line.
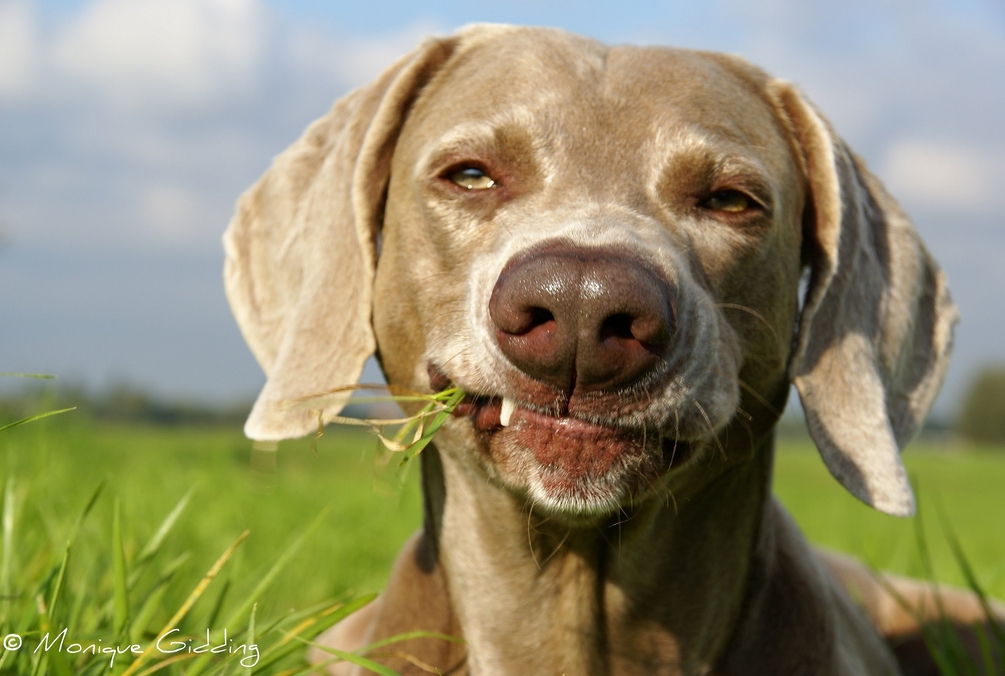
44	626
316	624
119	575
153	546
441	417
27	375
218	604
239	614
194	596
398	638
971	578
8	548
250	639
375	667
57	588
154	597
148	552
984	645
87	509
37	416
147	610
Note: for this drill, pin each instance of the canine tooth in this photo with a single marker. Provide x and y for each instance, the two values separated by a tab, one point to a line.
508	405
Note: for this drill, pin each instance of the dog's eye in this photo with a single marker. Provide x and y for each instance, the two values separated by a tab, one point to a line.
730	201
471	178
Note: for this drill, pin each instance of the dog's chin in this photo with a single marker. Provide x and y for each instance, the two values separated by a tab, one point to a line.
573	468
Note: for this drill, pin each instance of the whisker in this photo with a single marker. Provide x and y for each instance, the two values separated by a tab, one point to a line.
711	431
626	516
674	498
447	313
557	547
432	275
458	354
676	435
603	535
754	313
530	539
750	431
436	344
751	391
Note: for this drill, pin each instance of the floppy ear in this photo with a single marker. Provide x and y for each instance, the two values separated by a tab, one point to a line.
301	249
876	327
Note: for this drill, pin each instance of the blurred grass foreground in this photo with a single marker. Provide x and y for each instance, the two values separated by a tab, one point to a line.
109	527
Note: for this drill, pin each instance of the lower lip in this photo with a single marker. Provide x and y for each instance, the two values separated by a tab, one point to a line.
576	447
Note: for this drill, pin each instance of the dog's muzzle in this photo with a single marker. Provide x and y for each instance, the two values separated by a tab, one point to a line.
587	332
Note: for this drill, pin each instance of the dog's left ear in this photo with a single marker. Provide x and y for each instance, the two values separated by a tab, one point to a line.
301	249
876	327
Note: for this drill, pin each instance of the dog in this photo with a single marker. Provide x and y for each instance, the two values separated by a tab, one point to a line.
625	257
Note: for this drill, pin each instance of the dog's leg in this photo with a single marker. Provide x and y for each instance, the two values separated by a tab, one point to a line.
899	606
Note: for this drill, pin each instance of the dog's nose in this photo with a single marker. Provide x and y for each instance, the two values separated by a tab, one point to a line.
583	319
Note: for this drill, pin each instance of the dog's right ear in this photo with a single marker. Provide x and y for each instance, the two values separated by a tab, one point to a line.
301	249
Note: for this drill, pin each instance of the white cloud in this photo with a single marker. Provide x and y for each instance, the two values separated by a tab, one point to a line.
18	47
363	60
878	69
165	57
944	175
172	214
163	52
353	61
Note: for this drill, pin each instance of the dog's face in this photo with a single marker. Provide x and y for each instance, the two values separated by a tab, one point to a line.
603	246
594	254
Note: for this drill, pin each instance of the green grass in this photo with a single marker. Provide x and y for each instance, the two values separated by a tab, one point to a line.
968	484
57	464
53	467
118	561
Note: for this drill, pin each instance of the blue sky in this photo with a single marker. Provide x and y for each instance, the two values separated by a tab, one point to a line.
129	127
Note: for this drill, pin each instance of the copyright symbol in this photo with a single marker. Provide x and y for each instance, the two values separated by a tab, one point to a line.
12	642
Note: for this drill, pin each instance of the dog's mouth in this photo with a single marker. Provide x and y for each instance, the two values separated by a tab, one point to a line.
566	463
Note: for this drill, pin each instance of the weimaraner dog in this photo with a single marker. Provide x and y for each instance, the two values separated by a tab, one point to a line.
604	247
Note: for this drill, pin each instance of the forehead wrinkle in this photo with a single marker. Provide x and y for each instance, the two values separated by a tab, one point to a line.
723	93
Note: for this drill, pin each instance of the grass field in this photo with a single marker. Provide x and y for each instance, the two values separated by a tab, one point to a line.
966	485
51	468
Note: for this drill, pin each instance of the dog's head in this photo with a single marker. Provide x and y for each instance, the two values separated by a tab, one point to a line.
604	248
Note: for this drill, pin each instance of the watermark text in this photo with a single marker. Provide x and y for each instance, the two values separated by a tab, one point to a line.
169	643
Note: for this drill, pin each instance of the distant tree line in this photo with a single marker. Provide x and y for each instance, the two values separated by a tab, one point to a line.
982	411
118	403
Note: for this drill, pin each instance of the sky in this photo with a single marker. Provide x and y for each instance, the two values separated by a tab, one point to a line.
128	128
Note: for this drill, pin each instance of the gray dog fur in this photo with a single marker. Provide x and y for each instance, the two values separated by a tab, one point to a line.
702	573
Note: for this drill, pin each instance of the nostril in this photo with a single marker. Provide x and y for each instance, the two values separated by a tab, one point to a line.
617	326
539	316
651	331
519	321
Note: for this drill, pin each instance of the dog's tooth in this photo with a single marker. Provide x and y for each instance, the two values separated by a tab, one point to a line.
508	405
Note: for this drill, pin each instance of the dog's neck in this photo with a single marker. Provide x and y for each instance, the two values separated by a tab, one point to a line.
660	586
